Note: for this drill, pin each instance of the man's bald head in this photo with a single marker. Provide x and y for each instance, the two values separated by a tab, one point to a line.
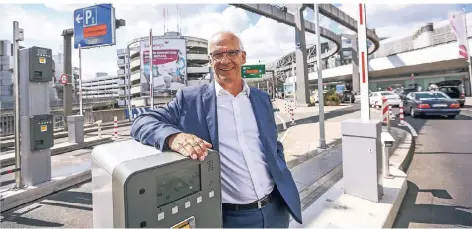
226	57
223	37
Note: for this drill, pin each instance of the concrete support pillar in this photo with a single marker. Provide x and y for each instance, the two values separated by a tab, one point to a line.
302	92
355	63
67	99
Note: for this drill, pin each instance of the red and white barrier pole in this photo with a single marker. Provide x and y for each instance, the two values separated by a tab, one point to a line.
292	115
115	126
363	62
402	118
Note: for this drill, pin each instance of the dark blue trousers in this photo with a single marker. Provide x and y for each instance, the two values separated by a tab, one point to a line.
273	215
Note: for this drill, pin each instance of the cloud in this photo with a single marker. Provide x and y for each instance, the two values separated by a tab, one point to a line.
264	39
391	20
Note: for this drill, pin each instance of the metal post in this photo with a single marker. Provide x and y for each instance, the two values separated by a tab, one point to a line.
151	89
320	78
385	162
468	50
67	97
268	92
17	36
128	84
80	82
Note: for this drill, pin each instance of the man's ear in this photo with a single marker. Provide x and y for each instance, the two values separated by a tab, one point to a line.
243	56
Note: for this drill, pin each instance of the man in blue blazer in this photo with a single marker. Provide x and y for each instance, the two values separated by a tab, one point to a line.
236	120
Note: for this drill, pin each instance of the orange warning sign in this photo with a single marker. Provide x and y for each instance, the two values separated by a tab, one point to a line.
95	31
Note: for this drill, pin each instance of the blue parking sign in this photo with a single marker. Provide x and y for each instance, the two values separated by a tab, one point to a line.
94	26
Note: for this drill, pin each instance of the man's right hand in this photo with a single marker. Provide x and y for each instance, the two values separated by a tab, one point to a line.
189	145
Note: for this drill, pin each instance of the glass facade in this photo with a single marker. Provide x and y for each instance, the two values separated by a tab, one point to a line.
421	82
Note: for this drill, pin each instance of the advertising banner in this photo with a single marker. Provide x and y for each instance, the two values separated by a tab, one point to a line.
457	23
169	68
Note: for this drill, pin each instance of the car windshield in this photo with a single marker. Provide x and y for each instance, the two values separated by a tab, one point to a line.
433	95
386	93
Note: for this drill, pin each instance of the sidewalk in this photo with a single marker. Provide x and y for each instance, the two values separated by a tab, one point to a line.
301	141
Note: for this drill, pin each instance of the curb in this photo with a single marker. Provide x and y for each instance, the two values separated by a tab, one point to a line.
402	163
11	160
34	193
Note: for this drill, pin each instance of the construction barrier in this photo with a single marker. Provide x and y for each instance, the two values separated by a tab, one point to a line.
390	112
385	110
402	117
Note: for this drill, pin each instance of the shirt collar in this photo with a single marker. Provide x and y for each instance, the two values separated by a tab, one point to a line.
221	91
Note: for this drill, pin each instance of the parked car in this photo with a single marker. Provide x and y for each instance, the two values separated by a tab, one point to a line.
314	96
375	99
347	95
405	91
431	103
454	89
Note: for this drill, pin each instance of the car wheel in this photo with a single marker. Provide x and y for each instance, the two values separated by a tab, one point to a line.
451	116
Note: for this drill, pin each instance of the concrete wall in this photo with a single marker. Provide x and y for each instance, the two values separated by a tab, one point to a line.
104	115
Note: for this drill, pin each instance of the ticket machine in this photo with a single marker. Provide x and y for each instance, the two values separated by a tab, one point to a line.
36	120
138	186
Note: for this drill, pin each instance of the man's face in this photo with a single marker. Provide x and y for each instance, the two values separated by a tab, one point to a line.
226	57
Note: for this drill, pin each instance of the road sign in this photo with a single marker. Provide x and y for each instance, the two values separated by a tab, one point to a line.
94	26
64	79
253	71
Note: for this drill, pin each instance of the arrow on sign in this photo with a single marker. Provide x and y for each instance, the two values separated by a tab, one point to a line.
78	19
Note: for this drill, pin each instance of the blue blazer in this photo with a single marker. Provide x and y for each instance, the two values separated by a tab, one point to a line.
193	111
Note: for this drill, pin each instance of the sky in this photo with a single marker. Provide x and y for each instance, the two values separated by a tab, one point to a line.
264	39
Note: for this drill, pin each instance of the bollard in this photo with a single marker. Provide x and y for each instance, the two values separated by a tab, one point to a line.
390	112
387	142
385	113
99	124
115	119
402	118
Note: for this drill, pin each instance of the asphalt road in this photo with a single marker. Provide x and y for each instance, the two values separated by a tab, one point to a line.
439	177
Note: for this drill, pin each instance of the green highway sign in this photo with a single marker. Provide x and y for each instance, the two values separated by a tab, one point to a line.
253	71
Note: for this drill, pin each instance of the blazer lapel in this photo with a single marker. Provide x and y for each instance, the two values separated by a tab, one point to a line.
209	104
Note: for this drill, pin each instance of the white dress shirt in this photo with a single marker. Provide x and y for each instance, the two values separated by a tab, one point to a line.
245	176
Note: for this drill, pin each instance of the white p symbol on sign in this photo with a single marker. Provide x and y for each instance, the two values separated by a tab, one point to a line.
88	15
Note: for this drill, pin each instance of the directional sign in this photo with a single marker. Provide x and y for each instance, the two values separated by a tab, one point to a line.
64	79
94	26
253	71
